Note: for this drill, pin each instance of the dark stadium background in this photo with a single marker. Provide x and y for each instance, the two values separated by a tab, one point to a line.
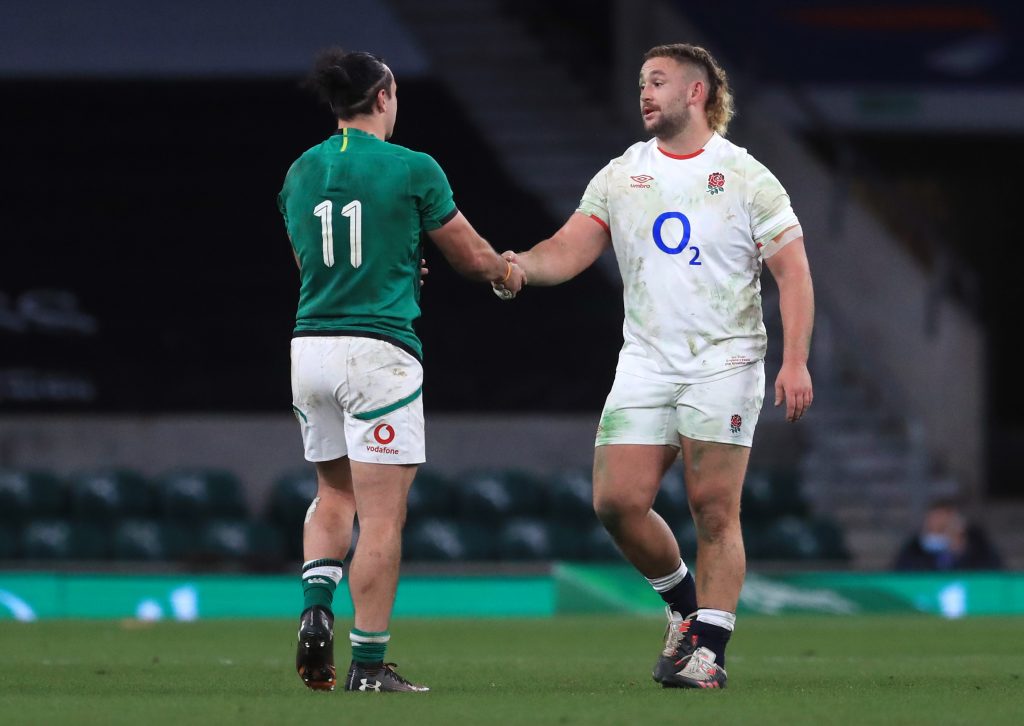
148	194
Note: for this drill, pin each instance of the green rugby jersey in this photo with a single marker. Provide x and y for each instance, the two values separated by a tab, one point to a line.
355	208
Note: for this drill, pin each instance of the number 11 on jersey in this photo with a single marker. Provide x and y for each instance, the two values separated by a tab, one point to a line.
354	211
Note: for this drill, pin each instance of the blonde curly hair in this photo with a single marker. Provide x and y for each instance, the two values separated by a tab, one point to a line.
719	108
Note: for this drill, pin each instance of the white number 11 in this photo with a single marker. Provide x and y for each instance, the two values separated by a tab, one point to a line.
354	211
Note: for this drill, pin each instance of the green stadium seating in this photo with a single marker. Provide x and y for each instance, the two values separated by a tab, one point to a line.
571	497
831	542
788	538
495	496
151	540
9	541
524	539
569	541
57	539
768	495
431	495
446	540
600	546
239	541
671	501
196	494
290	497
686	535
27	494
112	494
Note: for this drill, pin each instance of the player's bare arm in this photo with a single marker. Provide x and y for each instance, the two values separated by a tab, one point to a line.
567	253
473	257
792	272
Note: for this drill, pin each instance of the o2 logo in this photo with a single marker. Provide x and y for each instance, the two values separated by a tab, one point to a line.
659	240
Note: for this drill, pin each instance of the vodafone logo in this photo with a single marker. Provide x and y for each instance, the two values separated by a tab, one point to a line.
384	434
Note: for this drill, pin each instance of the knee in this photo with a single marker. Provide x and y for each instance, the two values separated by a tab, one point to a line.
713	518
614	509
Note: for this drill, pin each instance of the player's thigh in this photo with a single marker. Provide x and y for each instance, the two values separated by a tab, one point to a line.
381	491
714	474
318	372
636	442
723	411
384	404
627	476
334	478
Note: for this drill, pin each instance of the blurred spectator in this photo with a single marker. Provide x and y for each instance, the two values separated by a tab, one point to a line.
947	542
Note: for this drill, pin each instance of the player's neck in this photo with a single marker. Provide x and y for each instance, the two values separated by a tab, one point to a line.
686	142
369	125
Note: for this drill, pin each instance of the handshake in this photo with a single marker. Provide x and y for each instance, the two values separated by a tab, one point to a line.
514	280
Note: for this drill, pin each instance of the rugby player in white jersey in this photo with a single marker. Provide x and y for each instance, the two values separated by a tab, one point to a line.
691	218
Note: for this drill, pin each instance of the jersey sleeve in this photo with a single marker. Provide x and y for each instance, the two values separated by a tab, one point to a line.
434	198
595	199
770	210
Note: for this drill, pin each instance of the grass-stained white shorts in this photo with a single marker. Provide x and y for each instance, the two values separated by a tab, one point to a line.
358	397
642	411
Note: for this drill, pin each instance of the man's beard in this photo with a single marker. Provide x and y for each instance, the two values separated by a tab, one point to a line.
668	126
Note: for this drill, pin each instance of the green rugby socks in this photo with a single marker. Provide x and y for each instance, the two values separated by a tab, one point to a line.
320	579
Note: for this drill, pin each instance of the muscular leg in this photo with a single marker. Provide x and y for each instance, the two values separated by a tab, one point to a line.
626	481
328	529
714	481
380	492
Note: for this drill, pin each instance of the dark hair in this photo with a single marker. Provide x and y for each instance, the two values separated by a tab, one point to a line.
719	108
349	81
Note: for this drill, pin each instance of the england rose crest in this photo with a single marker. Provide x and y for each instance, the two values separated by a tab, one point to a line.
716	183
735	423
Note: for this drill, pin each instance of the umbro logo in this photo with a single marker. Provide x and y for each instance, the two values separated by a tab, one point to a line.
641	181
365	685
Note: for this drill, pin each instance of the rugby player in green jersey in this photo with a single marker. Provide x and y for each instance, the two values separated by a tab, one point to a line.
355	207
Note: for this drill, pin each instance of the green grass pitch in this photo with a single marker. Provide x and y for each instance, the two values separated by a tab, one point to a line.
564	670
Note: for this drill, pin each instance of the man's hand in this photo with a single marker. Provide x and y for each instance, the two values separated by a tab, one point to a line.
515	282
423	271
794	387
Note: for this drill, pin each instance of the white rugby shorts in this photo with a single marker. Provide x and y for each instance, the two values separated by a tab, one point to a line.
358	397
642	411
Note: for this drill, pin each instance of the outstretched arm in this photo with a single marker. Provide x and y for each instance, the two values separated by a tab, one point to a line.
472	256
567	253
792	272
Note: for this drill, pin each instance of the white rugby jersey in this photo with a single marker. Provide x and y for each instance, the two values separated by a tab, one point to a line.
689	233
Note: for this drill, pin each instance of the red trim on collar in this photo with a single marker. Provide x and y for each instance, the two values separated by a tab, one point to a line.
670	155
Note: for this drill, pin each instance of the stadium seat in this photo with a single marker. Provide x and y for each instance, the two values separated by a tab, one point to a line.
495	496
111	494
446	540
768	495
62	540
431	495
9	541
524	539
571	497
569	541
789	538
686	535
600	546
28	495
831	542
197	494
241	541
152	540
671	501
290	497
